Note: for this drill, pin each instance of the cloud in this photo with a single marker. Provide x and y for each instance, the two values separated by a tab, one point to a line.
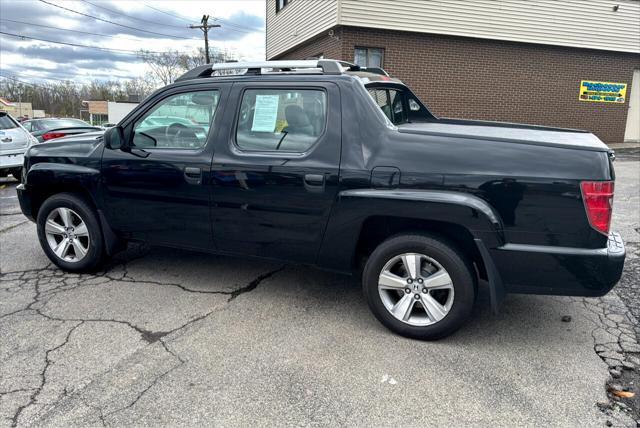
242	30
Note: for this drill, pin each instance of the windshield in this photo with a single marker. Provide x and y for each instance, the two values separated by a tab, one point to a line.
61	123
7	123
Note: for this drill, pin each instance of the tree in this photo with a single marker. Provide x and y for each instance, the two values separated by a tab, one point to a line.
168	66
64	98
165	66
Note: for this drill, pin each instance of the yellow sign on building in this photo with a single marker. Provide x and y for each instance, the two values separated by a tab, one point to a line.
602	92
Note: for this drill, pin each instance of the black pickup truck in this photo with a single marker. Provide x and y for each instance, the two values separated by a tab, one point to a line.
344	168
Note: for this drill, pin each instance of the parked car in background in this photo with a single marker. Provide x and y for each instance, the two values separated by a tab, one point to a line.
14	141
50	128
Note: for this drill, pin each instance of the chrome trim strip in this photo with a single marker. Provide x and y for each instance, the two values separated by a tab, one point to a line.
566	251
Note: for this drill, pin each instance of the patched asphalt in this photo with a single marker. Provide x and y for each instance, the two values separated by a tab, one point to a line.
168	337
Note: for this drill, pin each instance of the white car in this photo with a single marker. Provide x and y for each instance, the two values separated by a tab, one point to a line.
14	142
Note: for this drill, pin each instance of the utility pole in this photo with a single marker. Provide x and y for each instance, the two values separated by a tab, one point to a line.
204	26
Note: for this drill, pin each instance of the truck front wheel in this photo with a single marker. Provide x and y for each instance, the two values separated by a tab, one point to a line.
69	233
419	286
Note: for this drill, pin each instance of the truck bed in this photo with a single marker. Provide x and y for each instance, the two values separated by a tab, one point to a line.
501	131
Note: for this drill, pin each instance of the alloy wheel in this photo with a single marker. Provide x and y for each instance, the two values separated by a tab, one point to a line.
67	234
416	289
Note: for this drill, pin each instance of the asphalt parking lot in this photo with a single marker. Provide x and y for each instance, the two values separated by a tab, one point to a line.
167	337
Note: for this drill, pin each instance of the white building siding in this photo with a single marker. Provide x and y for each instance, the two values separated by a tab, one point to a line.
577	23
299	21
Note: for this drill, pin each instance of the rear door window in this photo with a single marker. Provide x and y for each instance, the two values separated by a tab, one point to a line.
287	120
7	123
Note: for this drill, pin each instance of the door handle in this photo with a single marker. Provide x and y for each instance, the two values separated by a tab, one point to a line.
192	174
314	179
314	183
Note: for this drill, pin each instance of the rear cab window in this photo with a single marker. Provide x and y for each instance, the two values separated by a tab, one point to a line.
399	104
391	103
286	120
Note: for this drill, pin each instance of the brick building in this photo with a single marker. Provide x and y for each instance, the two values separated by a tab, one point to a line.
542	62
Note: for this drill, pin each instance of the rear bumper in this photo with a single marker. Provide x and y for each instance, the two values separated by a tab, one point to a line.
25	199
538	269
11	160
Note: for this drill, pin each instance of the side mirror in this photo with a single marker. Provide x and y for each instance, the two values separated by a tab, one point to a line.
114	138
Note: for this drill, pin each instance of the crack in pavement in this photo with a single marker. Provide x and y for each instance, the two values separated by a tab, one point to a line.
43	377
15	391
153	336
41	280
13	226
143	392
617	346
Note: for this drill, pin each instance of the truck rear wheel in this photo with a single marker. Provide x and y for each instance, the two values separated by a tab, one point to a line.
69	233
419	286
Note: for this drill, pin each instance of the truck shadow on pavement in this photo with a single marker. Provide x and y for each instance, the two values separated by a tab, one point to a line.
522	319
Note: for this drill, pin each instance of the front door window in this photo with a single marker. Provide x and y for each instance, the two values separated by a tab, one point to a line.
181	121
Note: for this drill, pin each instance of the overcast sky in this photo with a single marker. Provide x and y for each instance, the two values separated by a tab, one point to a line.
154	25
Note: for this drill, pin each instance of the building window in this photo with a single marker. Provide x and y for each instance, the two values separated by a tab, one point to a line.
369	57
280	4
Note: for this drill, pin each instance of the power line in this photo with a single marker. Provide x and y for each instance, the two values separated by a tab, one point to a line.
123	51
229	27
23	82
65	29
39	77
132	17
115	23
70	80
239	28
169	14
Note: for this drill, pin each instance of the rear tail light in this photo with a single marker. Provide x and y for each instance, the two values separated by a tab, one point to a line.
598	201
52	135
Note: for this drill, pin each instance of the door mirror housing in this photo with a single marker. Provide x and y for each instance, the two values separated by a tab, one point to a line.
114	138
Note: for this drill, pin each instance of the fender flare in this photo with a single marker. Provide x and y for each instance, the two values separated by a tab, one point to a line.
46	175
467	210
479	208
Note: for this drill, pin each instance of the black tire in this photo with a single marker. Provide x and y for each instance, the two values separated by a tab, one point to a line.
17	174
458	267
94	255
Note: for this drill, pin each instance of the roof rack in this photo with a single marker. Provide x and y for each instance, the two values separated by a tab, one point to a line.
324	66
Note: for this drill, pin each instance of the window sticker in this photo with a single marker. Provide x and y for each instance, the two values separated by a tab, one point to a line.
265	113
